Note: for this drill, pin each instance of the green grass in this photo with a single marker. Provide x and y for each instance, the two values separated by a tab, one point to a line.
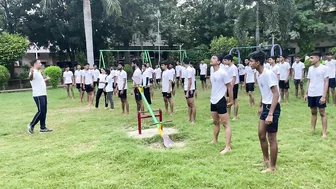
89	148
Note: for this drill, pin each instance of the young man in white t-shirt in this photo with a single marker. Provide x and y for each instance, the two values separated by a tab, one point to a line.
284	79
269	111
150	73
221	84
172	70
331	64
40	97
274	67
178	73
122	88
189	91
316	92
88	79
146	83
233	72
203	74
96	73
167	86
183	74
79	83
241	71
68	82
298	75
158	75
137	80
109	87
250	81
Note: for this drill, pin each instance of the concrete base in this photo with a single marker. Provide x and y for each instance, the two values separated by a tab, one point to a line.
149	133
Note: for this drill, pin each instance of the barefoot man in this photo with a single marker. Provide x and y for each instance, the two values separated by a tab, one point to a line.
167	86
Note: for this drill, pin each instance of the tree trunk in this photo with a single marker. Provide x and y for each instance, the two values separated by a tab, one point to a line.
257	26
88	31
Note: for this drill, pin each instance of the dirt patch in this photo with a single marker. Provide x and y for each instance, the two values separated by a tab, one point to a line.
149	133
160	146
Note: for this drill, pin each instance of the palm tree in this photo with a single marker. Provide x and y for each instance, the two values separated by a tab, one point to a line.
111	6
273	16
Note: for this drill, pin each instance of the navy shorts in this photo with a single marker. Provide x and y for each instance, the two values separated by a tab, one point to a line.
283	85
332	83
273	127
190	95
202	78
314	102
249	87
220	107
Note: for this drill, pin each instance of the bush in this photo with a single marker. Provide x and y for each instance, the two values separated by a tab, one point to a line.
4	76
25	73
333	50
55	73
128	69
308	63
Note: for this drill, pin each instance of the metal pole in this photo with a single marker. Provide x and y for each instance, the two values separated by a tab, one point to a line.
181	54
258	27
272	39
159	39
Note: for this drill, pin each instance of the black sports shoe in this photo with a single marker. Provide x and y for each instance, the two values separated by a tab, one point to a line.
30	129
46	130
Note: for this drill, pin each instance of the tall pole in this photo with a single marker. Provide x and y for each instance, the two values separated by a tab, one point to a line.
258	26
159	39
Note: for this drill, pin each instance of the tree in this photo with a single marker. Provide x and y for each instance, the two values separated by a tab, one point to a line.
4	77
12	48
110	7
222	45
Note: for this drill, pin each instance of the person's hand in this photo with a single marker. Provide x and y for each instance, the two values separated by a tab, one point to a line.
229	104
269	119
322	100
187	94
32	70
259	111
104	89
47	78
122	92
286	81
91	84
305	98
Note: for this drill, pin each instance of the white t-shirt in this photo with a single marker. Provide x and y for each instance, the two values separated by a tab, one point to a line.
298	70
267	80
275	69
38	84
167	76
150	72
146	74
316	75
158	73
267	66
224	67
250	74
173	72
183	72
137	76
211	70
121	76
96	73
78	75
88	77
233	71
110	82
178	70
241	69
67	75
102	78
189	74
219	79
203	68
284	70
331	68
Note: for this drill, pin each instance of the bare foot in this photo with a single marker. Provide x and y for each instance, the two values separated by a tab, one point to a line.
234	119
268	170
262	164
213	142
226	150
324	136
193	123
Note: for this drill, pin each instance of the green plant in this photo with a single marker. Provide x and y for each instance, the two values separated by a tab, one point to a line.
4	76
55	73
25	73
128	69
333	50
308	63
222	44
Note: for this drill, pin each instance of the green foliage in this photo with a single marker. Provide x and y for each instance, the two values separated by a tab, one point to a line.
308	63
55	73
198	53
128	69
4	76
222	45
25	73
12	48
333	50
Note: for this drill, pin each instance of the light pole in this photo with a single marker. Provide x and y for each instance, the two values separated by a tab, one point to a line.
158	15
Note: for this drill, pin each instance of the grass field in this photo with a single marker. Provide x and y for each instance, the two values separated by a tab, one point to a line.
90	148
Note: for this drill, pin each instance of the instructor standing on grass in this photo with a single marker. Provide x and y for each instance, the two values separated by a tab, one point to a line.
40	97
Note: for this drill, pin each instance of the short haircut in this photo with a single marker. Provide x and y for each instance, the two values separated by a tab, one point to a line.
108	71
315	53
121	64
87	64
297	56
185	61
191	63
273	57
258	56
228	57
164	63
219	57
33	62
136	62
329	54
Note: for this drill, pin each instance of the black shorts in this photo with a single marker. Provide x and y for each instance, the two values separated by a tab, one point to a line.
151	80
241	78
235	92
202	78
191	94
88	88
220	107
95	84
173	85
158	80
178	78
283	85
68	84
249	87
332	83
137	94
182	80
314	102
147	95
168	95
195	85
297	82
273	127
78	85
124	95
